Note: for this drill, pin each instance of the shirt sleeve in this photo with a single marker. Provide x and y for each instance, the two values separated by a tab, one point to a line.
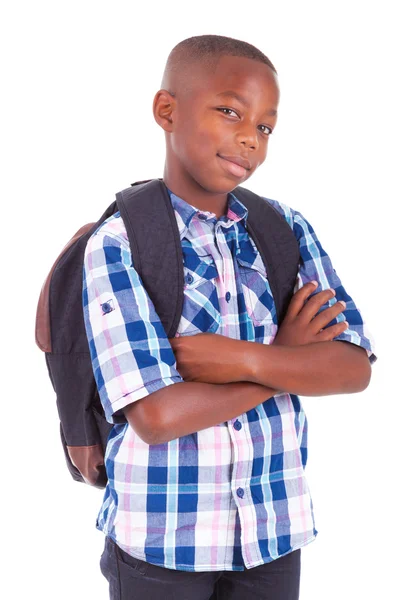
130	352
315	264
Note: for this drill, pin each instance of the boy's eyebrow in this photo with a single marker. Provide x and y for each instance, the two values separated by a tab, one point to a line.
240	98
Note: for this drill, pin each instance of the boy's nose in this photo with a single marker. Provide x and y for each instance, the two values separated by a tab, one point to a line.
252	144
249	139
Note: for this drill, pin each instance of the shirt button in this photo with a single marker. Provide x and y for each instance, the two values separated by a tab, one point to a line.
240	492
189	278
107	307
237	425
227	296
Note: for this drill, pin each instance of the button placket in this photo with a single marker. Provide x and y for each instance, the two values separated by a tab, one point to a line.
242	454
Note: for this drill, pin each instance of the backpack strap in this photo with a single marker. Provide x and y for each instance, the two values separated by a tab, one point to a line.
156	249
277	245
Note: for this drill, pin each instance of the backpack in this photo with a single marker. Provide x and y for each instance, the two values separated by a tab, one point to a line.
153	234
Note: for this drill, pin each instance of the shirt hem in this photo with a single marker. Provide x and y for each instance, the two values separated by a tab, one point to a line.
293	549
210	568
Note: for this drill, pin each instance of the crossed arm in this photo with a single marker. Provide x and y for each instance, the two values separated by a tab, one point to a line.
302	360
224	378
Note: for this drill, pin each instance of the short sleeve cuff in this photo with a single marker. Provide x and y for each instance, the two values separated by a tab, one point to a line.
114	413
361	342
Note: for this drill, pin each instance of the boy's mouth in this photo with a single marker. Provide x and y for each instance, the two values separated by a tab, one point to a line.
236	165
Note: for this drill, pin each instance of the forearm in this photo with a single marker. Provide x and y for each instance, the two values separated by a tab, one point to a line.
187	407
310	370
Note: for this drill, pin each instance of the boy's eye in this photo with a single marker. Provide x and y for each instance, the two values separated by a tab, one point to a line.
267	130
227	111
230	112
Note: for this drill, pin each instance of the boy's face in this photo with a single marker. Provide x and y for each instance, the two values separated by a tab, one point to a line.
218	126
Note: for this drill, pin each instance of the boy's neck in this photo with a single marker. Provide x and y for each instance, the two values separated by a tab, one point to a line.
194	194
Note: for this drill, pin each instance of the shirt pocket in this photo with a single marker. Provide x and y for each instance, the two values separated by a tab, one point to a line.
257	293
201	313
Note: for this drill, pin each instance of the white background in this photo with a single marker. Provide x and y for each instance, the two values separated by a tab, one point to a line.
78	81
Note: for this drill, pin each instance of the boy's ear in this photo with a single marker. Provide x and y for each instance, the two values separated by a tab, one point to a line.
163	107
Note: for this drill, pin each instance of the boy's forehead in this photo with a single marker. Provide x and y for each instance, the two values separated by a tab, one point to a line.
245	79
237	75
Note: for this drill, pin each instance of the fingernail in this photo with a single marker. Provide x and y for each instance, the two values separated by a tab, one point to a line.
314	282
333	291
346	323
342	302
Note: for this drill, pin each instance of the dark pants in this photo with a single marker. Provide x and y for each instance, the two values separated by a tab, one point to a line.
132	579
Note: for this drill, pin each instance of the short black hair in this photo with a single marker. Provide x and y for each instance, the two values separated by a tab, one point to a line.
208	49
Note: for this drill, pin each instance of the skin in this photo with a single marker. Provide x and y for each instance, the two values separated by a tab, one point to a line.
201	124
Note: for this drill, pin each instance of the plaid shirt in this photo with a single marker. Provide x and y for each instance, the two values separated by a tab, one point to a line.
228	497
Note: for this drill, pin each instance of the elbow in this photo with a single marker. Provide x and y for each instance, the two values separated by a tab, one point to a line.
365	378
154	436
354	374
145	419
360	377
148	434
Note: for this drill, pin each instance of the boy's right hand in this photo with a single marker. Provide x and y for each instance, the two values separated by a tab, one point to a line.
302	325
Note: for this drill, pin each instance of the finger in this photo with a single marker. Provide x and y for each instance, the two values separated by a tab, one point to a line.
327	335
299	298
314	304
327	315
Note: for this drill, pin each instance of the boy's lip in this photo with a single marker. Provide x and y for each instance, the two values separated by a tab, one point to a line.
238	160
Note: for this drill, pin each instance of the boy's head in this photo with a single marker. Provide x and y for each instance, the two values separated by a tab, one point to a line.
218	105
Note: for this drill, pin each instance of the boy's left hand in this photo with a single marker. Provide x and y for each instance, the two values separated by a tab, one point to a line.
209	358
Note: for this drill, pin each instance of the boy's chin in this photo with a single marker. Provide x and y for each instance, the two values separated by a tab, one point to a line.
222	185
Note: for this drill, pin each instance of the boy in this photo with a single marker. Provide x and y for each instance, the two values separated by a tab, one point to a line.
206	494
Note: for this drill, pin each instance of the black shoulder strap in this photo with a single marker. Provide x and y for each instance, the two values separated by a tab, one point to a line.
156	248
277	245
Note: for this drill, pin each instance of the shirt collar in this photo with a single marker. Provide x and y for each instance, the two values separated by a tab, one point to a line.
236	212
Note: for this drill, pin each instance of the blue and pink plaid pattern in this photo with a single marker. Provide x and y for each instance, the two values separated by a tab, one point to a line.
228	497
